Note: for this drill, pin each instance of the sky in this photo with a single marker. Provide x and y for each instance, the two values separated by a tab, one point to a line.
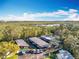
39	10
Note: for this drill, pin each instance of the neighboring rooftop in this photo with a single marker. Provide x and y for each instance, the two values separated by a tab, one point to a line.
38	41
63	54
46	37
21	42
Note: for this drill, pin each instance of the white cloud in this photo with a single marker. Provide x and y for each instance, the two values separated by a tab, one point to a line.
72	10
73	15
59	15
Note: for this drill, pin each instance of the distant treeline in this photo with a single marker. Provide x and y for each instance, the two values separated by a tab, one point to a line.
39	22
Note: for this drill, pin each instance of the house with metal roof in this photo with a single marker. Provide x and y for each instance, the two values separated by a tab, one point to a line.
51	40
21	43
63	54
38	42
46	38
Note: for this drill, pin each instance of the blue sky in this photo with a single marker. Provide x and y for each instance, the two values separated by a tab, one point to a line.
20	9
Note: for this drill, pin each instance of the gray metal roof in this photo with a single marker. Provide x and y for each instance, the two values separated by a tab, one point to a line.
38	41
63	54
46	37
21	42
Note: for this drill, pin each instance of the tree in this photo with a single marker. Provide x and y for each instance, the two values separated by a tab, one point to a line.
53	56
23	34
7	48
7	34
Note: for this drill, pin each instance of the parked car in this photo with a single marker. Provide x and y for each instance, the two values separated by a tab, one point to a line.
20	53
37	51
29	52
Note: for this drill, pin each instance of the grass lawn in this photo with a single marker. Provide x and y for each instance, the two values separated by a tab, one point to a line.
13	57
47	58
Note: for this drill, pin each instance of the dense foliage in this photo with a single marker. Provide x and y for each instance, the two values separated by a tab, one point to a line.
10	32
13	31
67	33
7	48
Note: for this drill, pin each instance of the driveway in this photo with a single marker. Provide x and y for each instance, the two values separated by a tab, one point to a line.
32	56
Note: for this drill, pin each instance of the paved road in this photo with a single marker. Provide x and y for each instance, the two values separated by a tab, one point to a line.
32	56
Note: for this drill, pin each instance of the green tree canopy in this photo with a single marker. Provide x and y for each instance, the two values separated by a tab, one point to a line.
7	48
